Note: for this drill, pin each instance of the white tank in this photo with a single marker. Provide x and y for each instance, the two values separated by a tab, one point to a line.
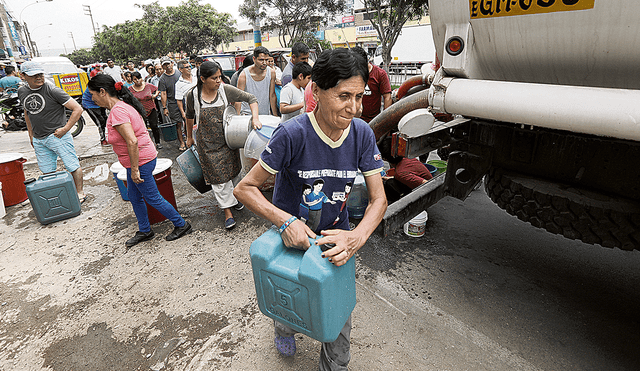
567	42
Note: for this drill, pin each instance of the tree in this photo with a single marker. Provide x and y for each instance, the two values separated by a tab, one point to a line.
81	57
388	18
188	27
192	27
292	18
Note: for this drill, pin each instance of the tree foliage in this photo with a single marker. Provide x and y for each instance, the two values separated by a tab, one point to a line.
388	18
293	19
81	57
313	42
189	27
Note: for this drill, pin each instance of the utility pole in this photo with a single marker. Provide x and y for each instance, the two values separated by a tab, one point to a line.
74	41
257	35
87	11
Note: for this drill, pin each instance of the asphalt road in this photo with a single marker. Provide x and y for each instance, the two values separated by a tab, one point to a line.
558	304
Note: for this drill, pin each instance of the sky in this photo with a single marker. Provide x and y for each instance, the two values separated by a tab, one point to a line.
52	23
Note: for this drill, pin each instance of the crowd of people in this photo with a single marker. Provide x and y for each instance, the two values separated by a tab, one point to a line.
316	151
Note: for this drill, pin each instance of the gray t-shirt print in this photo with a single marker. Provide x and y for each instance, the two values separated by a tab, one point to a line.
45	107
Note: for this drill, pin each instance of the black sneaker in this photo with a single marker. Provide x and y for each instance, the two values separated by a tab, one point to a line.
239	206
140	237
158	145
179	232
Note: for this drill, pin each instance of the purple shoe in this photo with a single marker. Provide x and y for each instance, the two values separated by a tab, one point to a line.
286	345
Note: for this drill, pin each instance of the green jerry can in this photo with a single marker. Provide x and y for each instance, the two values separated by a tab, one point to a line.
301	289
53	197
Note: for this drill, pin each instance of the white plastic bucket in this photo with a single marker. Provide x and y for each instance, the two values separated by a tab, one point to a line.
257	141
3	212
416	226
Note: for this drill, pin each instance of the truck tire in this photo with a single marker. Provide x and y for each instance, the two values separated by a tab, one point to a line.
575	213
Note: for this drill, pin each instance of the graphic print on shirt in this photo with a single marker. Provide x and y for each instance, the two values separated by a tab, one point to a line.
313	201
34	103
367	91
342	196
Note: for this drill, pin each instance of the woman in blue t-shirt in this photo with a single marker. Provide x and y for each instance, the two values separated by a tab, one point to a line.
317	157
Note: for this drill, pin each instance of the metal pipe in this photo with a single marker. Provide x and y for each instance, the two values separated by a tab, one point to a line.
388	119
597	111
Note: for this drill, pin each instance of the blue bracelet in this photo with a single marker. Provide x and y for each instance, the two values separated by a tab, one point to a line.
287	223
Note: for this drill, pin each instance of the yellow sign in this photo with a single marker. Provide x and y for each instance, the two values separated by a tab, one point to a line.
73	83
505	8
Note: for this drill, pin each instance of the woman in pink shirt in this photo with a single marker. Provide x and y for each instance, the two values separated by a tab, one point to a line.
130	140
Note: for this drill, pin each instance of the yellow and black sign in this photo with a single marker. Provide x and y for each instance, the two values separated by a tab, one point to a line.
504	8
73	83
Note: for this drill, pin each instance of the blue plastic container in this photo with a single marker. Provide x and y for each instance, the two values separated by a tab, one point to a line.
301	289
169	131
115	168
358	198
53	197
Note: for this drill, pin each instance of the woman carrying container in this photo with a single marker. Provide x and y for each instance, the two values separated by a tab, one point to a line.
220	164
146	93
322	149
131	142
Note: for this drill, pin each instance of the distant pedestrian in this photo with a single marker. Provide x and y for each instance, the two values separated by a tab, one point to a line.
377	87
113	70
44	105
167	87
151	73
299	53
146	94
186	82
155	81
97	114
132	144
292	95
195	62
220	164
272	63
97	68
246	62
11	82
259	80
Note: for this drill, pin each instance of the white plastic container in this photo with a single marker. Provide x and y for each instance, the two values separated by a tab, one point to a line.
3	212
416	226
257	140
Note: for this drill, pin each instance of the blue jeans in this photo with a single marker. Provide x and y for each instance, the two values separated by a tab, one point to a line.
148	190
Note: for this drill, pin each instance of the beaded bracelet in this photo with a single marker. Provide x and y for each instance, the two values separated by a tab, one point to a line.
287	223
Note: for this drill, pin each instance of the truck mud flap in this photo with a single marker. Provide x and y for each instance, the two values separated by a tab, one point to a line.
411	205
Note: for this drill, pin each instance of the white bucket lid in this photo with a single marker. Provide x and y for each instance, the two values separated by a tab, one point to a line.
116	167
9	157
122	175
162	164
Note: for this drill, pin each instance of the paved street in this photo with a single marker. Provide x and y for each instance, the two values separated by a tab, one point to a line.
481	291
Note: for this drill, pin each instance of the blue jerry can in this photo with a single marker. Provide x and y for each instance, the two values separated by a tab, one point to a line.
53	197
301	289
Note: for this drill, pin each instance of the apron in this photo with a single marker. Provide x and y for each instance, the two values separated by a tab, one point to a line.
219	163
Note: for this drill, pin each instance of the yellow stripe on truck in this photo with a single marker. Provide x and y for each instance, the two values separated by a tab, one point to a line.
505	8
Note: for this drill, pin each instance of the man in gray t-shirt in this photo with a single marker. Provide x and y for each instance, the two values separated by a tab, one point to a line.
44	106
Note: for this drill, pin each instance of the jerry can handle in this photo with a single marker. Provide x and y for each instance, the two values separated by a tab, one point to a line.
46	176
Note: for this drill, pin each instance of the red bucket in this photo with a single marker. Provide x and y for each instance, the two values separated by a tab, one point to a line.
12	178
162	175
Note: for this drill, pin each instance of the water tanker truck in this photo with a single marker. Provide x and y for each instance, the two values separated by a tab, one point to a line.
540	100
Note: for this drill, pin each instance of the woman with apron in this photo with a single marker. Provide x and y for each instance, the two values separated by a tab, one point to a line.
220	164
